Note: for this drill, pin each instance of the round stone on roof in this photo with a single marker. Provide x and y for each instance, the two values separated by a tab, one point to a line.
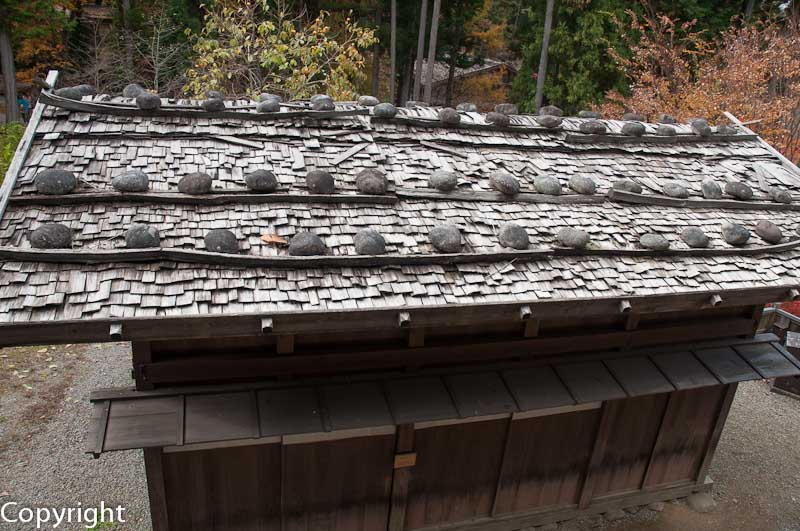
196	183
700	126
654	242
131	181
148	101
549	121
497	118
449	116
55	182
633	129
70	93
270	105
667	119
676	190
735	234
781	196
322	102
261	181
384	110
368	101
444	181
132	90
574	238
589	114
266	96
725	129
221	241
506	108
51	236
320	182
214	95
141	236
467	107
372	182
213	104
739	190
550	110
593	127
769	232
710	189
695	237
634	117
446	238
369	242
504	183
582	184
627	185
547	185
513	236
87	90
306	244
666	130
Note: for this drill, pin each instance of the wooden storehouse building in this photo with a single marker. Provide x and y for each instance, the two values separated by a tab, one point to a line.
354	317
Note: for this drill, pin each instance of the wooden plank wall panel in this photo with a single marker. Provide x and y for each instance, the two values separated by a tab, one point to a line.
235	489
455	478
688	424
634	429
341	485
546	461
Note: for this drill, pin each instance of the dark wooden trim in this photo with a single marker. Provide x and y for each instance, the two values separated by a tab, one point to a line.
100	440
599	449
423	122
656	139
285	344
506	443
662	200
416	337
476	195
156	488
662	429
181	435
708	456
141	354
401	477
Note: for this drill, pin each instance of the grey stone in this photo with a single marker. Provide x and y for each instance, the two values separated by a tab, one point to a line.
666	130
506	108
548	120
214	95
634	117
384	110
582	184
444	181
51	236
148	102
735	234
710	189
322	102
627	185
213	105
132	90
221	241
266	96
550	110
410	104
700	126
306	244
268	106
615	515
654	241
739	190
769	232
695	237
449	116
498	119
467	107
667	119
547	185
262	181
87	90
633	129
677	190
781	196
589	114
446	238
196	183
70	93
656	506
701	502
131	181
593	127
320	182
369	242
725	129
633	509
368	101
504	183
141	236
514	236
575	238
372	182
55	182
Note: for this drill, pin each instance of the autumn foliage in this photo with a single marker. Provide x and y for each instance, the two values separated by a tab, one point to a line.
751	71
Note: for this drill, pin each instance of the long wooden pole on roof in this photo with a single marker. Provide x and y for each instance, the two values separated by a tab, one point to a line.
423	17
548	26
437	4
393	52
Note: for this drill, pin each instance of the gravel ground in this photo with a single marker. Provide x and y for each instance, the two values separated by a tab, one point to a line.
42	437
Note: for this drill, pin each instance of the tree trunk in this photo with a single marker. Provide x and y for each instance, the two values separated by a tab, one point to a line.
405	86
376	55
451	75
437	4
423	17
393	80
548	25
748	10
9	76
126	22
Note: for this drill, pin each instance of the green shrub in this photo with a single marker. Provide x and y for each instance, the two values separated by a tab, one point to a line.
10	135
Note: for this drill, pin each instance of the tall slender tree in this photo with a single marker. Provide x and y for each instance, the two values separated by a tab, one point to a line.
548	27
423	16
437	4
393	52
9	74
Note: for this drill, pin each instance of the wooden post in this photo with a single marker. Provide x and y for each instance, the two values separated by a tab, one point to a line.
423	17
548	25
437	4
156	488
401	479
393	53
142	355
9	75
708	456
598	451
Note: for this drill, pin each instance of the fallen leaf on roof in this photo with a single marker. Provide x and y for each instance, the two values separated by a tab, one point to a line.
273	239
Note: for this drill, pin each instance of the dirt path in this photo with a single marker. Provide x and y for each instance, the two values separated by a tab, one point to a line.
44	416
